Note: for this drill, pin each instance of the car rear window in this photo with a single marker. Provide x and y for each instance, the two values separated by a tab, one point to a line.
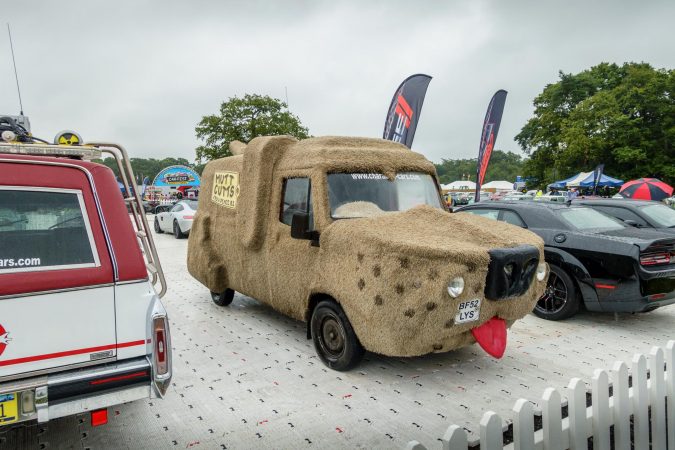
589	219
44	229
661	214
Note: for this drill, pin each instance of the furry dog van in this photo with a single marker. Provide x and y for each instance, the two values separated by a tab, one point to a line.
351	236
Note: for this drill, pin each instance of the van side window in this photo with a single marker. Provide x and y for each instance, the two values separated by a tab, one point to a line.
44	229
296	198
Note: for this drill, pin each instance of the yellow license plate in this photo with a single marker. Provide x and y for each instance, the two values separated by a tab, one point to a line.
9	408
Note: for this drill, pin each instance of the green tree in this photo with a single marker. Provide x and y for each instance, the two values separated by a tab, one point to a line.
242	119
622	116
503	166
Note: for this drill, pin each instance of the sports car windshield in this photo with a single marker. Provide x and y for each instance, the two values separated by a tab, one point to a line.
353	195
661	214
589	219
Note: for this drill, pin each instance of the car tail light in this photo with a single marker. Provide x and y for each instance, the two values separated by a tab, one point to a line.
655	258
160	349
188	217
161	344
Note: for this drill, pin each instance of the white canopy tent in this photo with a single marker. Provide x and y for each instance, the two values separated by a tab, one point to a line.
459	185
576	181
498	185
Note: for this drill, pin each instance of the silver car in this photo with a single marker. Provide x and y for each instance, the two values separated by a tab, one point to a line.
176	219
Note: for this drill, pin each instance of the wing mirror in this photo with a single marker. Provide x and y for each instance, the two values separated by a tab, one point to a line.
300	228
632	223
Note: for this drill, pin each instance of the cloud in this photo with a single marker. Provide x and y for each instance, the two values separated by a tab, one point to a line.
142	73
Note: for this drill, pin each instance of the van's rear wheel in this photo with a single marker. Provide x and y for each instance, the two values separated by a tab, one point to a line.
334	338
224	298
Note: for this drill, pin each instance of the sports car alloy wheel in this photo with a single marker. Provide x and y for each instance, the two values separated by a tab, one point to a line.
560	299
555	296
178	234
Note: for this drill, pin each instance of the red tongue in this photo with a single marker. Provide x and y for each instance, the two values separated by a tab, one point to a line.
491	336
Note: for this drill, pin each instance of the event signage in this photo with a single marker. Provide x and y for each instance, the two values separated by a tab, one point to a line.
405	108
177	176
493	118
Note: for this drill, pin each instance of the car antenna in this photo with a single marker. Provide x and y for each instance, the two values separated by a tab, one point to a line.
16	76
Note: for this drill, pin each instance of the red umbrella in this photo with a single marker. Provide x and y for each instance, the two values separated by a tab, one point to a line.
646	189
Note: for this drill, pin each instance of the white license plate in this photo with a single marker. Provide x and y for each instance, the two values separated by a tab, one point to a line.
468	311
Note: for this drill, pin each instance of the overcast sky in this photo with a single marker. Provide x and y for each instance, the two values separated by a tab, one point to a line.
144	72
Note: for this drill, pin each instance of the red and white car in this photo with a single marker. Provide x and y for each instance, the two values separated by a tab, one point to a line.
82	326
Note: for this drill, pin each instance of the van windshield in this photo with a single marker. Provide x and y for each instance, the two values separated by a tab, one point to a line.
353	195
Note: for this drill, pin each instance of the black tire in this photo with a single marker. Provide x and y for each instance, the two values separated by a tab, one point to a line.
178	234
224	298
334	338
561	299
158	229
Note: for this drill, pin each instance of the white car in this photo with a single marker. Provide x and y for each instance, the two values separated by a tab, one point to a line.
176	219
551	198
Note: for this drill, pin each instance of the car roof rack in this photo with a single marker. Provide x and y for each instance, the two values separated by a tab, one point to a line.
72	151
95	150
133	199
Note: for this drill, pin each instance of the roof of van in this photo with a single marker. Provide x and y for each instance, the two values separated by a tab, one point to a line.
352	153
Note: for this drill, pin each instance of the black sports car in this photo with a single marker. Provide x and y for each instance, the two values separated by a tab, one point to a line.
637	213
593	258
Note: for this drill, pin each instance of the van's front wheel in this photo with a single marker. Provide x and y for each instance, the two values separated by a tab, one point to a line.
224	298
334	338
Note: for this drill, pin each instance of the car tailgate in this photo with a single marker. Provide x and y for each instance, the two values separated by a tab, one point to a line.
56	329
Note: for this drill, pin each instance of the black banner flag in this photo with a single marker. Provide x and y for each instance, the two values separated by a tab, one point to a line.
405	108
493	118
597	175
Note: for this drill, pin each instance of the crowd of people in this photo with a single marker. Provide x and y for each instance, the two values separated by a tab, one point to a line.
574	192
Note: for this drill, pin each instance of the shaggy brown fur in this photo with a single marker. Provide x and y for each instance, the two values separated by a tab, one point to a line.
389	272
392	273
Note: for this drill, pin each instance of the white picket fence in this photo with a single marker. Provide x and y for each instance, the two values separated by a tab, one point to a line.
639	404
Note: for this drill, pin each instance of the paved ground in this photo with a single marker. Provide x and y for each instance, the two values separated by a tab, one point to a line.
246	377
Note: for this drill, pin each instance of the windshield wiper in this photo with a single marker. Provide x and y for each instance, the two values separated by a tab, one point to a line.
6	223
58	224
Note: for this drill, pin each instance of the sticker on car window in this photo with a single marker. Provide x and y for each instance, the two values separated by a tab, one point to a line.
225	189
